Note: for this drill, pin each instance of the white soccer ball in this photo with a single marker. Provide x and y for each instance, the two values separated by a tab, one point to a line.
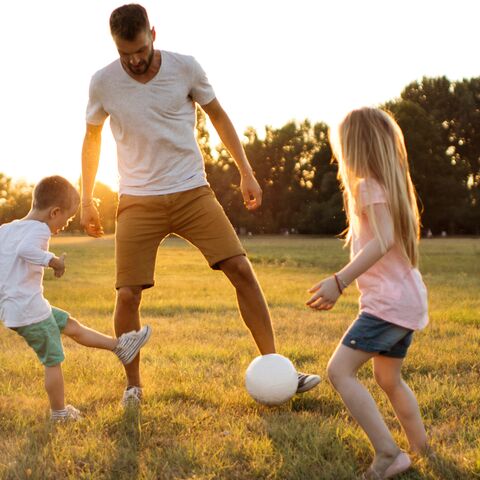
271	379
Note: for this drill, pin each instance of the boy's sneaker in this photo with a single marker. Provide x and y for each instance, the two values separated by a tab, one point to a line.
306	382
132	396
129	344
69	413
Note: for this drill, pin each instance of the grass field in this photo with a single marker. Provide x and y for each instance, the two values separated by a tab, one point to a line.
197	421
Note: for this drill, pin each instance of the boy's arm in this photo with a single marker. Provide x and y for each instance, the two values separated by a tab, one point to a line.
89	217
251	191
33	249
326	292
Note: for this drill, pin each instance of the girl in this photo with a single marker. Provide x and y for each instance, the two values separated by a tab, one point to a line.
383	232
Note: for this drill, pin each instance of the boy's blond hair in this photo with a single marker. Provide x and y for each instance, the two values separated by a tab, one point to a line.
55	191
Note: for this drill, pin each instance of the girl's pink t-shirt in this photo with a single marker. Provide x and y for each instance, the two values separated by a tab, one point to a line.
391	289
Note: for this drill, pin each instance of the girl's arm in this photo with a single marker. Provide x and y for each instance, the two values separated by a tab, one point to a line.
326	292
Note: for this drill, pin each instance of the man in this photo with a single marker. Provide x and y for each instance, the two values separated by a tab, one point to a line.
150	96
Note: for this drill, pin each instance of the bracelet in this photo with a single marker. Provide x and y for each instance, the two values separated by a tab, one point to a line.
340	283
88	204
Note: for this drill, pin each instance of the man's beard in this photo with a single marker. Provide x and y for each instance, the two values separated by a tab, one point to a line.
143	66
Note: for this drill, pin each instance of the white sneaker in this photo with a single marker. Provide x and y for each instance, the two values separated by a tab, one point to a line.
132	396
306	382
69	413
129	344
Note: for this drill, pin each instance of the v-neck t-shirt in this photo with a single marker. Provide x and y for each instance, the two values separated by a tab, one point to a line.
153	124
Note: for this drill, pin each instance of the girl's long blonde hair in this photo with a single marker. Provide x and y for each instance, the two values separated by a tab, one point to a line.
370	145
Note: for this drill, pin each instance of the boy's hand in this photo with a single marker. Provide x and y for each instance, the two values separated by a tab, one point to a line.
325	294
58	265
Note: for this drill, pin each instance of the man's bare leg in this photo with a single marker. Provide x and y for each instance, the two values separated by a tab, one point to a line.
254	311
127	318
251	301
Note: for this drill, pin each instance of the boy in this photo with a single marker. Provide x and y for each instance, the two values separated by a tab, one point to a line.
23	256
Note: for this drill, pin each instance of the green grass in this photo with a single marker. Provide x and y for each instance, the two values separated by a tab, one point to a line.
197	421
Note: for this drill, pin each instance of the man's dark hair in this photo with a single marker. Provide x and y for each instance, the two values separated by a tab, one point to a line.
128	21
55	191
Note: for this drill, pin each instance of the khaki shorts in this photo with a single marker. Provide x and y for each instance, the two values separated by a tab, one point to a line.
144	221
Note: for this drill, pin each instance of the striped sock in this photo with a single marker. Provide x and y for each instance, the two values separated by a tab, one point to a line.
58	414
67	413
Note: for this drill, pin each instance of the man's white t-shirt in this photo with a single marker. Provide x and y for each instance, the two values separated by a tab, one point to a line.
23	256
153	124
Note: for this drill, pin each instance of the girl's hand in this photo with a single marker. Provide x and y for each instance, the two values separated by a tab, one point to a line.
325	294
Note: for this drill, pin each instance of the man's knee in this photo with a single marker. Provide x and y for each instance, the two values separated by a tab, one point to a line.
238	269
129	296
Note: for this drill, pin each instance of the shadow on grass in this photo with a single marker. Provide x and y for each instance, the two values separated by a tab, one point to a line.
317	450
309	449
324	406
179	397
442	467
127	433
311	442
137	437
33	456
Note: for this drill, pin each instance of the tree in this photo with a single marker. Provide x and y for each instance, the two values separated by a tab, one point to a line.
440	136
15	199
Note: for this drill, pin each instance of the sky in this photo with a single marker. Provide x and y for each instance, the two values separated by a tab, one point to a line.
269	61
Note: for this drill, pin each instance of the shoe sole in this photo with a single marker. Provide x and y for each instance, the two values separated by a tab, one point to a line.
144	340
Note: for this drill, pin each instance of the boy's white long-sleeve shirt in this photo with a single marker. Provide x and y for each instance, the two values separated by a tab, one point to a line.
23	256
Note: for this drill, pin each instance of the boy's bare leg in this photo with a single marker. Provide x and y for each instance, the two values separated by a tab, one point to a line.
88	337
251	301
54	387
127	318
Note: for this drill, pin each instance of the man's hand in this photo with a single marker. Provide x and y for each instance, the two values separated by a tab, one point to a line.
90	220
325	294
58	265
251	191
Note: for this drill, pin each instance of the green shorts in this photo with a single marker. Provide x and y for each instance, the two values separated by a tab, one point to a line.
44	337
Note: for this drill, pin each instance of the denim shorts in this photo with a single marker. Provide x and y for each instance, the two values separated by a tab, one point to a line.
372	334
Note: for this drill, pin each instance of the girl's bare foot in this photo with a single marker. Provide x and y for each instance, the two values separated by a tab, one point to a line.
387	466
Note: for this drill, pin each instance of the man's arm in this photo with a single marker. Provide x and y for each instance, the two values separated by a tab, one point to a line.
90	219
251	191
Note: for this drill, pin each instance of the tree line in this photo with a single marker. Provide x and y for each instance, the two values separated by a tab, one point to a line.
293	164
